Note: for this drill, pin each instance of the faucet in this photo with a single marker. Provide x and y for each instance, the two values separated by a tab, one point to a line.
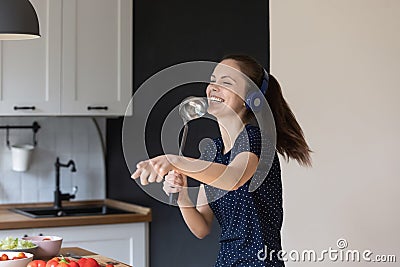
58	196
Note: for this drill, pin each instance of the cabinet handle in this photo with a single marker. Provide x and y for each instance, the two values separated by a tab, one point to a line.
24	108
97	108
25	235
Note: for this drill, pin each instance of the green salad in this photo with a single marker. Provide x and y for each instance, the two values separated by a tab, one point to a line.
9	243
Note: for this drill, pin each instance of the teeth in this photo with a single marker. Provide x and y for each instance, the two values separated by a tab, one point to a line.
216	99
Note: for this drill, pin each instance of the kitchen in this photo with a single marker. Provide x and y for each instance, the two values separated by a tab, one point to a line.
161	33
66	83
69	72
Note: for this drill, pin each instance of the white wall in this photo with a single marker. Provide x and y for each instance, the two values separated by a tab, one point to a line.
67	138
338	63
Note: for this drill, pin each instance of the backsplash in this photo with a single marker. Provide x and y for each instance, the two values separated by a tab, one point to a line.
63	137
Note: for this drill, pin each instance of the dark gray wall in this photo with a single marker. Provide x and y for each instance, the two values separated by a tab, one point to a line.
166	33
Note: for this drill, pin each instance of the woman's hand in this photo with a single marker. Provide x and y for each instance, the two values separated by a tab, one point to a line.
153	170
177	183
174	182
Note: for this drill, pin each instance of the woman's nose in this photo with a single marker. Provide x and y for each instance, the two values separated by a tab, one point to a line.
213	87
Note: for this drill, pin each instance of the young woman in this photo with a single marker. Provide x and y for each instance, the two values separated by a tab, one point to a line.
250	221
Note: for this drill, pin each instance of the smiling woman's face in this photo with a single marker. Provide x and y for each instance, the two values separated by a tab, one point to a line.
226	90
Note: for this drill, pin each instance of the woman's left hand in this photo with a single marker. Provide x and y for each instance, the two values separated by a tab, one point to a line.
154	170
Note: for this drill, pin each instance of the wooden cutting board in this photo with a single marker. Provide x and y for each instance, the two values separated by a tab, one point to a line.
102	260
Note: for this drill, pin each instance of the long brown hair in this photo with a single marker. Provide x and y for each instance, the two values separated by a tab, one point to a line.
290	141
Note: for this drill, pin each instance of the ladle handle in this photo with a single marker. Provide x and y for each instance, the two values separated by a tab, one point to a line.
173	197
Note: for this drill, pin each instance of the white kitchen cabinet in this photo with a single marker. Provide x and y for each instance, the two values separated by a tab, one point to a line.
96	57
30	69
82	65
126	242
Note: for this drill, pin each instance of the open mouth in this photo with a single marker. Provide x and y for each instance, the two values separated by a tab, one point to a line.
216	99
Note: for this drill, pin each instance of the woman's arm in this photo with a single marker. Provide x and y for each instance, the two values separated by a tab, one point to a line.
226	177
199	219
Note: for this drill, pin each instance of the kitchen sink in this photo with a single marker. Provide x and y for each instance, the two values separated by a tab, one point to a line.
49	212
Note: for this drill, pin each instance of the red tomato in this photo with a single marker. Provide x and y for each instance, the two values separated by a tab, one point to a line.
110	265
88	262
37	263
53	262
73	264
63	262
4	257
21	255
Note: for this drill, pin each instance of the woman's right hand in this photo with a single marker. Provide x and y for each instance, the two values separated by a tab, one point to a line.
174	182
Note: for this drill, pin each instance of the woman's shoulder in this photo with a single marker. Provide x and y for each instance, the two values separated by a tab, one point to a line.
253	131
252	127
209	148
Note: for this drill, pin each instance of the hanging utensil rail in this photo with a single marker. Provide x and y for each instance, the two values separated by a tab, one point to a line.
34	127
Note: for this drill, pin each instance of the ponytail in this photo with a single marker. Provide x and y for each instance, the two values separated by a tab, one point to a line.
290	143
290	137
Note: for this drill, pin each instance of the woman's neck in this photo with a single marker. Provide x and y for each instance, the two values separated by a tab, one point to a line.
230	128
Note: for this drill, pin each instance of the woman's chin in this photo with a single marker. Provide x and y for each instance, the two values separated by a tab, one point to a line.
213	110
219	114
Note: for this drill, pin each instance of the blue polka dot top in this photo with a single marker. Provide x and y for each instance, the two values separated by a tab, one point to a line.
250	221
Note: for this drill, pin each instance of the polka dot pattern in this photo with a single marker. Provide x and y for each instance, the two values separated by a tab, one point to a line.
249	221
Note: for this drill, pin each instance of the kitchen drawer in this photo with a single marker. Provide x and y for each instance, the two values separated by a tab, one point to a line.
126	242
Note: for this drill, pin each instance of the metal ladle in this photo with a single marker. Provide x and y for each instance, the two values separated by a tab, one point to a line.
192	107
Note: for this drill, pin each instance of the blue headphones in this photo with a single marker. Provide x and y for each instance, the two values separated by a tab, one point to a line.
254	99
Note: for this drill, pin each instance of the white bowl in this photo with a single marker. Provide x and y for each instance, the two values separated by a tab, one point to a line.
16	263
48	246
29	250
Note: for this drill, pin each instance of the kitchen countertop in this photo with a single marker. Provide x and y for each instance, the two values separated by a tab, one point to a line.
12	220
79	252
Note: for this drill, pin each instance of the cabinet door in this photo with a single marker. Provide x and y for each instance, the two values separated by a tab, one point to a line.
127	243
96	57
30	69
